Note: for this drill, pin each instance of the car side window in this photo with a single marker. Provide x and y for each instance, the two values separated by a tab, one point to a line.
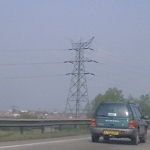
138	114
133	111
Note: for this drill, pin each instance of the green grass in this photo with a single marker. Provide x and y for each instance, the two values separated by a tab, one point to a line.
36	134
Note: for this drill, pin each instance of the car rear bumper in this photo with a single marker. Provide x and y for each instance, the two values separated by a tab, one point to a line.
122	132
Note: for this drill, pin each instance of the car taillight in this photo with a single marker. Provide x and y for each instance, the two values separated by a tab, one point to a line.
93	122
132	124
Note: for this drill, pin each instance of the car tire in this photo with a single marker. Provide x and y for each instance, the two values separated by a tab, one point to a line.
106	138
135	140
144	137
95	138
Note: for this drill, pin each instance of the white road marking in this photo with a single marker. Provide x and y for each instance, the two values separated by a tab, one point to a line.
33	144
50	142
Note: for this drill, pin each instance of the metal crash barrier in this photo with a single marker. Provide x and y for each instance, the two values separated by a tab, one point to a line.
42	123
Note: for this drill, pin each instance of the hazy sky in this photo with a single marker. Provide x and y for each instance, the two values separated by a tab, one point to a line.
35	38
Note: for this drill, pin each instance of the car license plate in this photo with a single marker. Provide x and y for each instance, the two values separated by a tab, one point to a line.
111	132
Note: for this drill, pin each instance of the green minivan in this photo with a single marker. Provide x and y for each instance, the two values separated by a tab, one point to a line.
118	120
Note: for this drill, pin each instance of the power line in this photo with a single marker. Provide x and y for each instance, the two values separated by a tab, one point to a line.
31	63
32	50
116	81
126	60
137	73
29	77
121	68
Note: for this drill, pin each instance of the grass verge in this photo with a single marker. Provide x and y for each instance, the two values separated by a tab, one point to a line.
36	134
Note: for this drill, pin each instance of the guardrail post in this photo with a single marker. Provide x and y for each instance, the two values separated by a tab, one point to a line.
75	126
60	128
42	129
88	127
21	130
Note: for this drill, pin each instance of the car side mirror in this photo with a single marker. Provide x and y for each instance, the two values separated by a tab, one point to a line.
145	117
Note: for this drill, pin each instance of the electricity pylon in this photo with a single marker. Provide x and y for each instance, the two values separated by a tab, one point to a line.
78	101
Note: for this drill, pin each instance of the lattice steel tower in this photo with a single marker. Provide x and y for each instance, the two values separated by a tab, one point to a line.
78	101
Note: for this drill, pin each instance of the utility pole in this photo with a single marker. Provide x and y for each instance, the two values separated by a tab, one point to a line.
13	109
78	101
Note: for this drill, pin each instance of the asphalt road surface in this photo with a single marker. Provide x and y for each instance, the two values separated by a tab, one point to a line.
74	143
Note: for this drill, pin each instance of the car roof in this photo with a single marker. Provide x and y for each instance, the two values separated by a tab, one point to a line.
109	102
112	102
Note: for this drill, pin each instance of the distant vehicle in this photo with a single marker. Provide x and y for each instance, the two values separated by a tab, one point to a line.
118	120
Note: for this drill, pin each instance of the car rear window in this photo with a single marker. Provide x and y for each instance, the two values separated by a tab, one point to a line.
113	110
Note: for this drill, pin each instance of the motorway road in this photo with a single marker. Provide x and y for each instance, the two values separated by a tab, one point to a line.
74	143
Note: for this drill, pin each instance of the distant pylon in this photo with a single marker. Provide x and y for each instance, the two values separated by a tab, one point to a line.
78	101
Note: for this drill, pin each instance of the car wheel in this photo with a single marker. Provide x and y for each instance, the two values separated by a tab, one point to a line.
135	140
95	138
143	138
106	138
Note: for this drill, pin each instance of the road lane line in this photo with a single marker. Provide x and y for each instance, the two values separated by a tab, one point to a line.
50	142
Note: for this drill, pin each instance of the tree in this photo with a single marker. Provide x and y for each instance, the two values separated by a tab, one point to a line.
131	99
144	104
114	95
